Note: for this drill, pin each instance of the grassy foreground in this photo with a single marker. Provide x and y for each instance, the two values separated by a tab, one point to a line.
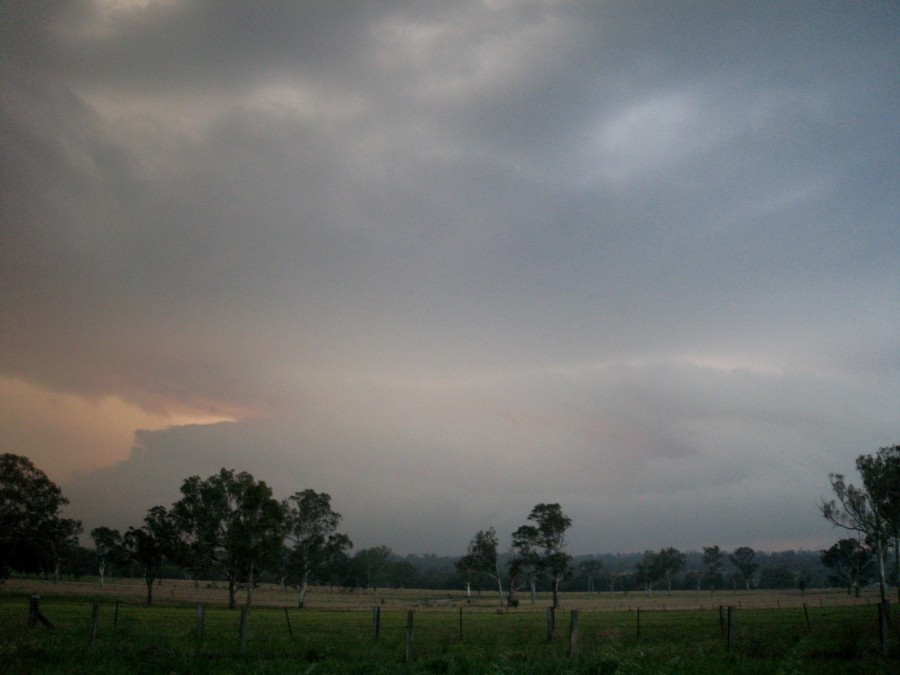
448	636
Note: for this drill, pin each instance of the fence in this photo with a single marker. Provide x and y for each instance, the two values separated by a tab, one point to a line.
406	635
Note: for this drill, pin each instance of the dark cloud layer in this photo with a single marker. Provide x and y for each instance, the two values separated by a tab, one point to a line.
630	257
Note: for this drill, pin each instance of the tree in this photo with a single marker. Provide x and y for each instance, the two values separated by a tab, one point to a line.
713	559
743	561
107	548
231	523
648	571
481	558
523	562
151	544
671	561
30	505
546	541
336	561
59	539
862	510
311	526
881	477
369	565
591	569
850	562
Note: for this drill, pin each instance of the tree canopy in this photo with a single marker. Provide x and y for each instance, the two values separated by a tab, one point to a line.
542	544
231	523
33	533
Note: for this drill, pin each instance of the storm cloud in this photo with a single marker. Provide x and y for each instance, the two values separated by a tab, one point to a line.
448	260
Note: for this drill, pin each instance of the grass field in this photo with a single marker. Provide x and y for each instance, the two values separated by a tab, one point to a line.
776	633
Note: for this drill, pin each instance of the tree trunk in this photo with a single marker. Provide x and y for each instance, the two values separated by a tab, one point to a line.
101	568
301	594
250	586
533	583
897	564
511	597
556	593
882	583
500	589
149	581
231	593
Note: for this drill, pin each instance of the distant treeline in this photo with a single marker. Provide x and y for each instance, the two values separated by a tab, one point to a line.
777	570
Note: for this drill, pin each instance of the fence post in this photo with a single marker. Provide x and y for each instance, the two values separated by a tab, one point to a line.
201	621
95	621
883	610
722	620
638	622
242	631
409	635
116	616
376	621
460	624
806	615
732	627
287	617
34	613
551	623
573	633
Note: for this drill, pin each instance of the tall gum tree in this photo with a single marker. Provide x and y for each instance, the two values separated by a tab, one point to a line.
869	510
481	558
546	540
30	513
230	523
311	527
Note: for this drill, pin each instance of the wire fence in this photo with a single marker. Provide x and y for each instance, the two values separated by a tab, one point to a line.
318	634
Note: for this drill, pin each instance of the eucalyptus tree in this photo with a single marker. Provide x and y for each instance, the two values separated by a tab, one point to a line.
107	548
368	566
481	558
743	559
30	512
850	563
544	543
591	568
311	527
881	476
230	523
152	544
713	560
59	541
648	571
871	510
670	561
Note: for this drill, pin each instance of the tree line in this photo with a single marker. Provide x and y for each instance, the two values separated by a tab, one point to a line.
229	527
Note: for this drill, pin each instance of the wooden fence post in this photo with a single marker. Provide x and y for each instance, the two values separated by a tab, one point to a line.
638	622
573	633
376	621
116	616
288	619
722	620
883	609
409	636
242	631
806	615
732	628
34	613
201	621
95	621
551	623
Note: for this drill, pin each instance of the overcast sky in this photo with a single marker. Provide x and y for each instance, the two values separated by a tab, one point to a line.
448	260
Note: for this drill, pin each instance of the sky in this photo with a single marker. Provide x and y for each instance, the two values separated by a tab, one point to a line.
446	261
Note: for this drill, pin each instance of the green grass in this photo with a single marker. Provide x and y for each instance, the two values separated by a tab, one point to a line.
164	639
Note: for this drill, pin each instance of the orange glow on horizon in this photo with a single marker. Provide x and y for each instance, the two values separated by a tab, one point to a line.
64	434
